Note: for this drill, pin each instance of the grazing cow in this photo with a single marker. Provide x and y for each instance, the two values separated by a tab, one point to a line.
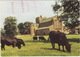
60	38
19	42
42	38
34	38
11	41
8	42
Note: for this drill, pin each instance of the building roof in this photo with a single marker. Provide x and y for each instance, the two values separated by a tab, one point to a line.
47	19
42	28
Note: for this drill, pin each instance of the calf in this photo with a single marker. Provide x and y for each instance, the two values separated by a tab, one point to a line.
34	38
42	38
19	42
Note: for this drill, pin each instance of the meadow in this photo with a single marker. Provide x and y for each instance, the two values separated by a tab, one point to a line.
41	48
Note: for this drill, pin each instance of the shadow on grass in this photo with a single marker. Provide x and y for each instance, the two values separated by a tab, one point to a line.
77	40
52	49
32	41
70	40
74	40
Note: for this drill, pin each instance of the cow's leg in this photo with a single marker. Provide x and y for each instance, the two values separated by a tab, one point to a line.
53	45
23	44
59	46
63	47
3	47
14	45
19	46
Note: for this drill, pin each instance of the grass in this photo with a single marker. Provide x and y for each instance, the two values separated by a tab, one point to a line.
40	48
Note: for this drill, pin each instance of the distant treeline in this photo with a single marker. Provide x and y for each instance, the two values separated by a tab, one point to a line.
11	27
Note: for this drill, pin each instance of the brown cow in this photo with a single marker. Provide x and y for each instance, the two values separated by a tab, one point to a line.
11	41
60	38
8	42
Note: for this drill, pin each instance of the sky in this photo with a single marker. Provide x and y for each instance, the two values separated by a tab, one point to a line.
25	10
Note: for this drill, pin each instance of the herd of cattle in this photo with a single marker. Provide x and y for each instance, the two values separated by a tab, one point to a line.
40	38
54	36
11	41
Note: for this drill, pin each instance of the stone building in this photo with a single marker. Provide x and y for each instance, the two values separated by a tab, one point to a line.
44	25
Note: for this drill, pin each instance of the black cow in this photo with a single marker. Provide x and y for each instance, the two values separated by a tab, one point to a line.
42	38
34	38
19	42
60	38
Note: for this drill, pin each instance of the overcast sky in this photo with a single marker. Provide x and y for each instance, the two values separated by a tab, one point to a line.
25	10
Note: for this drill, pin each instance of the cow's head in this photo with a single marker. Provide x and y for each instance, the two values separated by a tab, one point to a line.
68	47
23	44
19	47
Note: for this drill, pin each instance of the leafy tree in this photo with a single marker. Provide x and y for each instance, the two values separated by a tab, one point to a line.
24	28
2	32
70	14
56	7
21	28
27	27
10	26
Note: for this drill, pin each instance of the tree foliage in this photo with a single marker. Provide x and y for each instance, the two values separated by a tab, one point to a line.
56	7
10	26
27	27
2	32
24	28
21	28
70	14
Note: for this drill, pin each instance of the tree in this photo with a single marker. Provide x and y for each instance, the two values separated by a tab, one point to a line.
27	26
21	28
70	14
2	32
56	7
24	28
10	26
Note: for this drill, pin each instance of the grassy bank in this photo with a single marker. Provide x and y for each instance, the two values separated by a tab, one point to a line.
40	48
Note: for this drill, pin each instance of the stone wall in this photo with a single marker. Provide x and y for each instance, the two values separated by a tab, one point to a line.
53	25
42	32
45	24
33	28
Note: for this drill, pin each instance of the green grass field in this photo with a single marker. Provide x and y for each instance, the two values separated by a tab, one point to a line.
40	48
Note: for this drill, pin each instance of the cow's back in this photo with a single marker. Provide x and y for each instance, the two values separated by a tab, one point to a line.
53	36
58	37
8	41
